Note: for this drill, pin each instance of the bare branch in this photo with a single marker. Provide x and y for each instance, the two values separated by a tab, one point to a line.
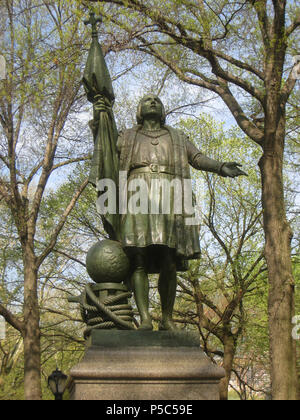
179	108
12	319
4	193
260	7
289	86
68	162
240	64
205	82
70	257
57	312
61	223
294	25
243	121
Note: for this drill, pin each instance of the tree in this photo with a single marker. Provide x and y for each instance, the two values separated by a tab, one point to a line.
61	329
11	347
232	262
43	135
11	372
40	92
241	51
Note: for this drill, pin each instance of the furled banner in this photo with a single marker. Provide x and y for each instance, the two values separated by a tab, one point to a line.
98	86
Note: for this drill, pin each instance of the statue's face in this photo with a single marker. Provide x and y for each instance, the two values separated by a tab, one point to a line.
151	106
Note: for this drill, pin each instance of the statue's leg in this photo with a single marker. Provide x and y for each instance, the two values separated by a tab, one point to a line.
167	284
140	283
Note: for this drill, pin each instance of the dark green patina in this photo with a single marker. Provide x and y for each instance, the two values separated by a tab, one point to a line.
155	243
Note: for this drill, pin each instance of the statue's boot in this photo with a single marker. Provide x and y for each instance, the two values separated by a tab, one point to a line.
146	325
167	284
141	293
167	325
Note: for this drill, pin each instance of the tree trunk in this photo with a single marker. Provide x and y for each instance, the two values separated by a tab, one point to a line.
229	353
278	235
32	351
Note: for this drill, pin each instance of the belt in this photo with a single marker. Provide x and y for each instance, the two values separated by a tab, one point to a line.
153	169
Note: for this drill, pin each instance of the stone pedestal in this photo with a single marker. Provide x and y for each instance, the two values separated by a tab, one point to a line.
144	365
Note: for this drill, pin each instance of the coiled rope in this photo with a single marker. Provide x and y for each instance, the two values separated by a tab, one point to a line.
105	314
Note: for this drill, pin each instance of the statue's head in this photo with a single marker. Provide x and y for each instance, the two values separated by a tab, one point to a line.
151	106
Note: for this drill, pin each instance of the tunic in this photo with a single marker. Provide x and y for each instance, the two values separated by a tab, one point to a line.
157	214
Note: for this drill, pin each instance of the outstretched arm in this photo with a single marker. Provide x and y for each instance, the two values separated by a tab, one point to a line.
232	169
203	163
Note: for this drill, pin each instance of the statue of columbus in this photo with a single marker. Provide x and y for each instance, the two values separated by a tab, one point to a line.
151	153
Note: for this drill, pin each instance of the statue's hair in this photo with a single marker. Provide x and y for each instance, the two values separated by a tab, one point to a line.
139	116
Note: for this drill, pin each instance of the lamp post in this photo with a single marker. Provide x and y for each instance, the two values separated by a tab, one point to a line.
57	383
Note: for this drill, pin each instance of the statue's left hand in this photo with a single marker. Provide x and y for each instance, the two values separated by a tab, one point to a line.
232	169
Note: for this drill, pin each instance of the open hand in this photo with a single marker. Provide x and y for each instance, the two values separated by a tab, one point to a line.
232	169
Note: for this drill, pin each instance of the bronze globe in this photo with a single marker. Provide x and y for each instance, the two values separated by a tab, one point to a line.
106	262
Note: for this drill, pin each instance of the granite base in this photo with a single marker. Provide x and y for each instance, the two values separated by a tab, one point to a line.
145	365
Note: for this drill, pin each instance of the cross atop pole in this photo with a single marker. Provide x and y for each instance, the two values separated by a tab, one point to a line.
93	20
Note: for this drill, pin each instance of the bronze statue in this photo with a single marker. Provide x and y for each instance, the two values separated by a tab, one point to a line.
149	153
